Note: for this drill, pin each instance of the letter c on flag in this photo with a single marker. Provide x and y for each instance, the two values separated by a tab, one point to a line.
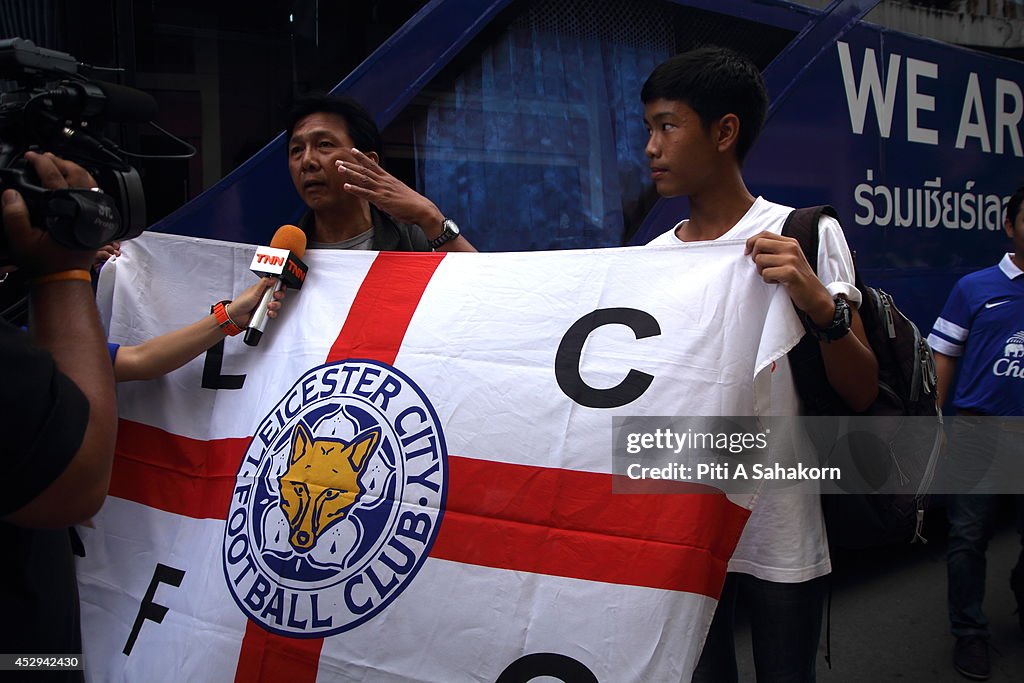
537	664
570	351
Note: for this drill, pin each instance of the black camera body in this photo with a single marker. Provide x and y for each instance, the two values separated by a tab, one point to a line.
47	105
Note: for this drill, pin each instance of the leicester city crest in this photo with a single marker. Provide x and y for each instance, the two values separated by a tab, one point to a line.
337	501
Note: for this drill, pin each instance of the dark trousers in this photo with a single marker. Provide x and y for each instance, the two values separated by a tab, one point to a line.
970	527
785	626
983	459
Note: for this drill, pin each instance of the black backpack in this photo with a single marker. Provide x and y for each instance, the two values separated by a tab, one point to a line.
905	458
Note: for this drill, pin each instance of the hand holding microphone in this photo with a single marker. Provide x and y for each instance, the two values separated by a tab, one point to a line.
282	260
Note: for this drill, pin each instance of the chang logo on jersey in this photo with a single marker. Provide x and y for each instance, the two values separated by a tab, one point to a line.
1012	362
337	501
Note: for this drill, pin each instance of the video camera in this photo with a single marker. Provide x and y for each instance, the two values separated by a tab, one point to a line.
46	104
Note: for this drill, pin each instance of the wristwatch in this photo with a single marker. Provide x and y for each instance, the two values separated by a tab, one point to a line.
839	327
450	230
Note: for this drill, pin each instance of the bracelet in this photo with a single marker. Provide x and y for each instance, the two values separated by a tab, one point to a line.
220	311
76	274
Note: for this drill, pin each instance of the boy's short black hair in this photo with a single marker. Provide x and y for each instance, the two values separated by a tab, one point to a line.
361	126
1013	206
713	81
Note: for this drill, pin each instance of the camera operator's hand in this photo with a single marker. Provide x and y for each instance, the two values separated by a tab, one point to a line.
63	321
34	250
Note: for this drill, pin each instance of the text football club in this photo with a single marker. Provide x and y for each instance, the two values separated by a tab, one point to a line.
337	502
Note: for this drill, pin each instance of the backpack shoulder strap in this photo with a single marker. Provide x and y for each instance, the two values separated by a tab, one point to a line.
819	398
802	225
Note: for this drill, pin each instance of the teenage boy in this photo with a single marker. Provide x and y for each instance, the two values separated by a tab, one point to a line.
981	328
703	110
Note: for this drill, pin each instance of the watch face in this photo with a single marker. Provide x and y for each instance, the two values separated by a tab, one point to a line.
837	329
449	231
842	316
840	321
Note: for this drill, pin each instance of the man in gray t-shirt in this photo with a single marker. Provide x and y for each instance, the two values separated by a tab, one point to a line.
334	162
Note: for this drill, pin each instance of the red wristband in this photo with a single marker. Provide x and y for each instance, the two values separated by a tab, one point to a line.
220	311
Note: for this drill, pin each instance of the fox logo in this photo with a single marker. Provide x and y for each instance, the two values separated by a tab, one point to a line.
337	501
322	482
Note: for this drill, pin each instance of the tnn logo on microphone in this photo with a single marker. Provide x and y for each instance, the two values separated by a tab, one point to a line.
295	269
279	263
270	259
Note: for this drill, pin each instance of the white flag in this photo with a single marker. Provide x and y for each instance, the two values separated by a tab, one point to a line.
410	478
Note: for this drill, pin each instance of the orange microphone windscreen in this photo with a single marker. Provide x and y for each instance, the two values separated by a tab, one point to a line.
291	238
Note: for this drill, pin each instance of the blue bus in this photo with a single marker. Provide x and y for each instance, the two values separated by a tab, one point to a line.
522	120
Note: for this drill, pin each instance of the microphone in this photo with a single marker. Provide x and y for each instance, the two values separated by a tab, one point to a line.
282	260
99	98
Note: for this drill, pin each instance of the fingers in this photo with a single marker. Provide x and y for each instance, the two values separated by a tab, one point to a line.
776	275
49	174
355	173
15	212
362	166
359	191
365	160
260	288
58	174
769	242
776	268
769	250
764	261
764	250
358	182
274	306
34	248
75	175
778	259
108	251
346	167
366	180
783	269
250	296
245	304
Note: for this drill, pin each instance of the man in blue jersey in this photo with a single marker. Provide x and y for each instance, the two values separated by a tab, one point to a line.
981	329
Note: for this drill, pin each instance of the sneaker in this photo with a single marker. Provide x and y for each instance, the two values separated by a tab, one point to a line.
970	657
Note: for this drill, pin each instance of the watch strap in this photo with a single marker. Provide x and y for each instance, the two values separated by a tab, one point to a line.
229	326
837	329
449	231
